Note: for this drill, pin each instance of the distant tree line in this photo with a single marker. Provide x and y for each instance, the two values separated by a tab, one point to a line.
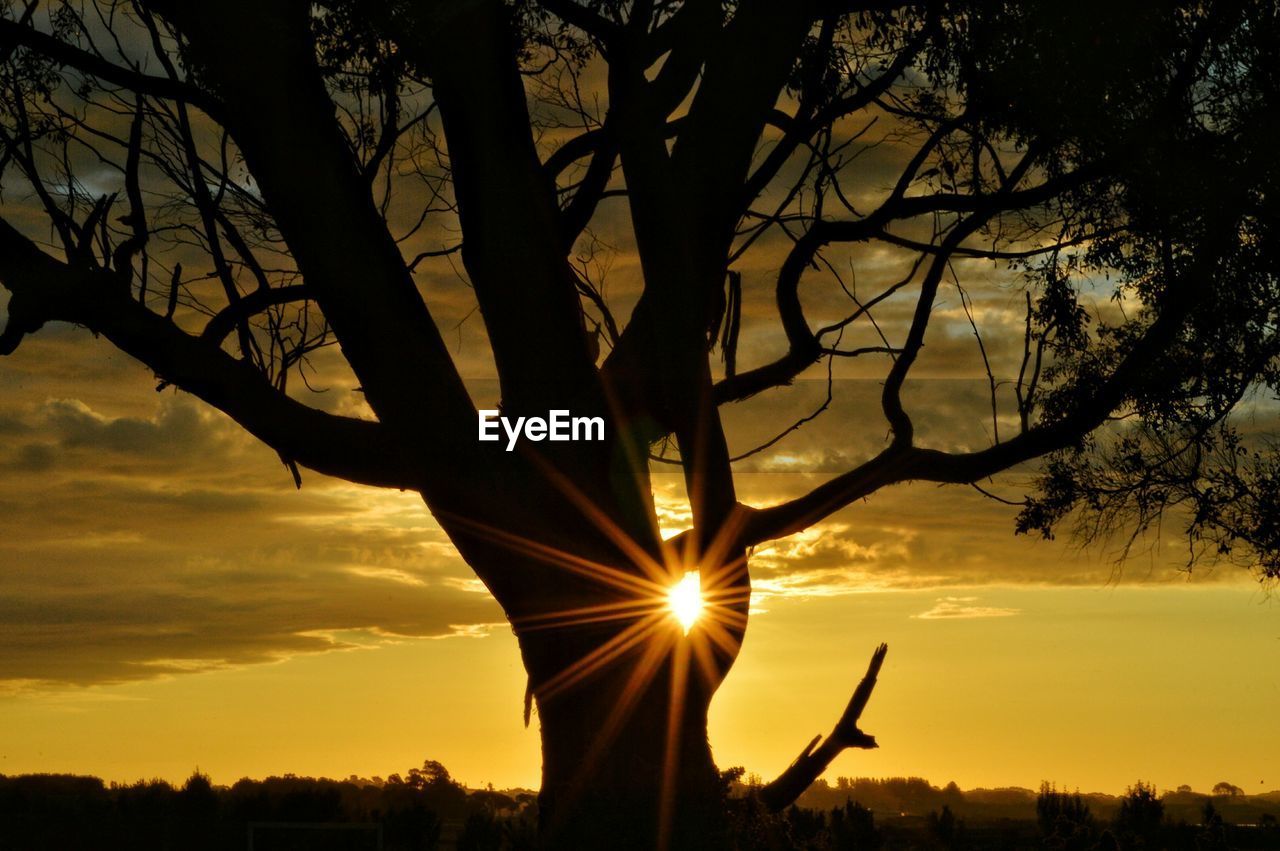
916	796
417	812
427	809
910	813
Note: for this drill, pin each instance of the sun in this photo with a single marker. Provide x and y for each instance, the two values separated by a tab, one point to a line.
685	600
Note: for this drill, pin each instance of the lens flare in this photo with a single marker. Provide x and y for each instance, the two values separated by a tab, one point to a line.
685	600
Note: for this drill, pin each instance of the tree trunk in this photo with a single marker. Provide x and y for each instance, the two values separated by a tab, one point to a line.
625	757
622	690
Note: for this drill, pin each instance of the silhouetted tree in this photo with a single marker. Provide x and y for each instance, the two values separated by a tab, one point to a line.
1228	789
1141	815
945	829
1065	821
197	810
805	827
1213	830
257	166
853	828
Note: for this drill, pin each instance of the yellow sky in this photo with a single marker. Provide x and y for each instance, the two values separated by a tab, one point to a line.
169	601
1092	688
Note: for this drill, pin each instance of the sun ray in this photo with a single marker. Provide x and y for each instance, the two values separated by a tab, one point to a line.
721	637
598	518
671	752
598	657
641	674
546	553
583	615
684	599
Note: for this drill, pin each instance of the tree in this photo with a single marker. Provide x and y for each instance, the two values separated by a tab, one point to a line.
1064	819
853	827
1213	830
944	828
1122	150
1140	817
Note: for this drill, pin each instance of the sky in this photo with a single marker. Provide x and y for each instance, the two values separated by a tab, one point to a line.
169	601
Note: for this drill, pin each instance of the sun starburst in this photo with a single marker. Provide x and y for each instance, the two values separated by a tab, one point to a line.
685	600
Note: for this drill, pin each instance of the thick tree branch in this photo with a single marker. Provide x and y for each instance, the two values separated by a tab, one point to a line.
325	212
808	767
585	19
745	71
582	145
46	290
681	203
578	212
687	37
512	230
803	348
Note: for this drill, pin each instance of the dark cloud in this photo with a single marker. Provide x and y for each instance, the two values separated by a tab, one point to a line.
178	429
31	458
11	425
141	631
136	546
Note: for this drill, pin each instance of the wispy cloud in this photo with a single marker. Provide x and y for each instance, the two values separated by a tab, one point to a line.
388	574
472	630
957	608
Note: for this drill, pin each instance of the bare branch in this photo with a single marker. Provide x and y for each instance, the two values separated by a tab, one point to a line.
13	34
891	398
812	761
902	462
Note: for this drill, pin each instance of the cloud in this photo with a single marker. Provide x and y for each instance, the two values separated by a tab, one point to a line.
387	574
31	458
177	428
138	545
959	608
